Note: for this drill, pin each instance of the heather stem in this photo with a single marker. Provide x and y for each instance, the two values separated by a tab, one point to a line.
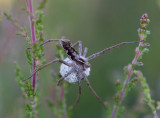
63	100
32	28
62	93
156	116
142	34
130	72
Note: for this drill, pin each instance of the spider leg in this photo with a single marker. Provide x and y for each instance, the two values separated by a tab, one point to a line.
49	40
75	44
62	78
94	93
51	62
79	93
79	43
107	49
85	52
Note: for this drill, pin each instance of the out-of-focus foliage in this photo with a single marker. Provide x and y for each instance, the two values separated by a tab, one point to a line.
6	4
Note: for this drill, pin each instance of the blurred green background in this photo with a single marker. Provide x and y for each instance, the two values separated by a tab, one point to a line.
98	24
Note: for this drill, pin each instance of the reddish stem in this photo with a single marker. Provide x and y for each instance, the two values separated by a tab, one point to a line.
130	72
62	93
156	116
62	99
32	28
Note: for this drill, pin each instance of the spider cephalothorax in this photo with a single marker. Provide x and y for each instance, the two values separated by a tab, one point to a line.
76	66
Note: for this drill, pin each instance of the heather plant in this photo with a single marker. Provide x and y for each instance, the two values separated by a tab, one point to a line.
34	55
132	75
35	58
61	110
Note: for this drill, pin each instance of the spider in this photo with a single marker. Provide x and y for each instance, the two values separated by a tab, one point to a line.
76	66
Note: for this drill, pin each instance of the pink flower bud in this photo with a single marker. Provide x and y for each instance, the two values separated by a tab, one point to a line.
142	36
24	33
38	62
139	30
144	26
31	43
27	37
145	15
144	20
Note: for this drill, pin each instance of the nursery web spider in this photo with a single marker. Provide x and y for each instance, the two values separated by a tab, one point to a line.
76	66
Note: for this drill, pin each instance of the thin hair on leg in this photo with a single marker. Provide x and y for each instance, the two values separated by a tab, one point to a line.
85	52
94	93
80	48
49	40
75	44
79	43
62	78
107	49
51	62
79	93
